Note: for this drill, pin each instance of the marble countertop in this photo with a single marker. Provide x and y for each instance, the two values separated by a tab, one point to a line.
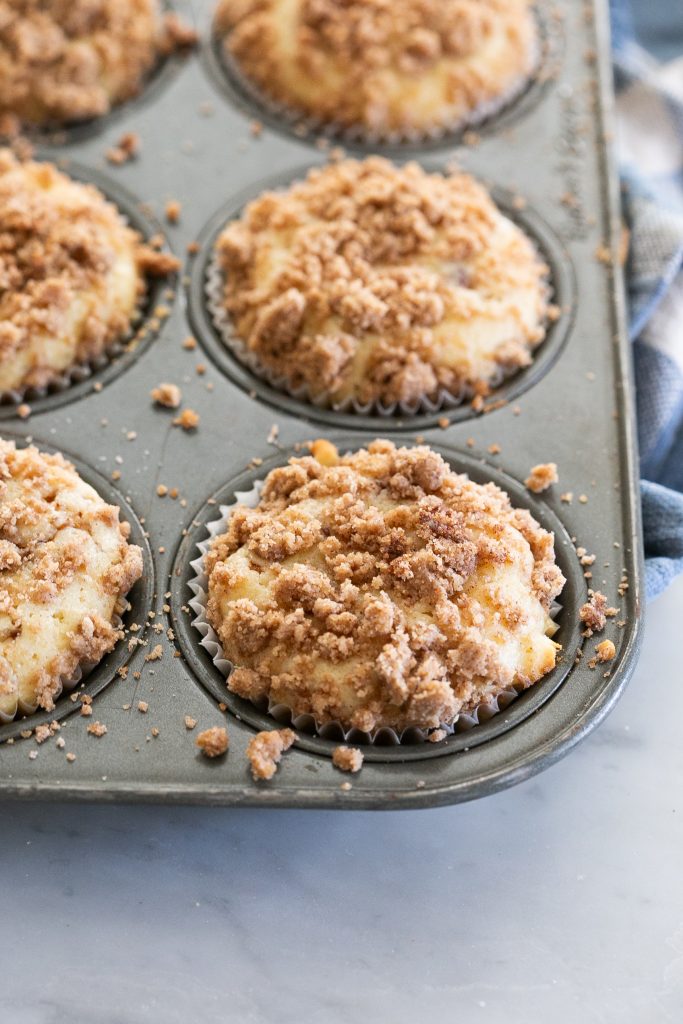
558	900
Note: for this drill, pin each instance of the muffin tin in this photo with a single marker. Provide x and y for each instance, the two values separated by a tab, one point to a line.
573	406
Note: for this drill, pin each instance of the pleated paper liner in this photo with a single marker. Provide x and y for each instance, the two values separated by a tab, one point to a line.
442	401
281	713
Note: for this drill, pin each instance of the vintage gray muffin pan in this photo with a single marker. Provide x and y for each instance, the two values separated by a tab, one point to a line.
573	406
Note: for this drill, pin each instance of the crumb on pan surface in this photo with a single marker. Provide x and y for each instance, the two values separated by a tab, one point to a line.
387	66
347	759
542	477
383	590
383	283
71	60
65	567
265	751
213	742
71	273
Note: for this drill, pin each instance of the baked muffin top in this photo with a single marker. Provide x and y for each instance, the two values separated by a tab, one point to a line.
381	589
406	67
373	282
64	61
71	273
65	567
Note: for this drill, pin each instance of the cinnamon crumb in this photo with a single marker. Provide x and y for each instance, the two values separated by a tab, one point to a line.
542	477
168	395
172	210
97	729
347	759
265	751
188	420
213	742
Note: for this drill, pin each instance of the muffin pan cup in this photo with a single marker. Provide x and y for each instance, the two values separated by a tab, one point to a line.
380	744
491	116
572	406
80	378
218	333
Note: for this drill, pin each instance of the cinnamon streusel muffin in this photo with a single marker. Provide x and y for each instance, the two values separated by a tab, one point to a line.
382	589
380	283
71	273
406	67
64	61
65	568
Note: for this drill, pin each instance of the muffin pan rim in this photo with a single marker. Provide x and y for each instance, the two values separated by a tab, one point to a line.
140	597
561	420
564	293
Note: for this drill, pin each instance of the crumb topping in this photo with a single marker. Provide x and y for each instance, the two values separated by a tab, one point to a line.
65	567
265	751
594	613
385	283
542	477
386	65
213	742
347	759
71	273
70	60
382	590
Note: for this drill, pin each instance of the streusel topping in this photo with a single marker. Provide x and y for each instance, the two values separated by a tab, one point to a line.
390	66
71	273
64	61
384	589
65	567
383	283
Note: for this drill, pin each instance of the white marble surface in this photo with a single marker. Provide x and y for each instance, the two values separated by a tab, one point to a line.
560	900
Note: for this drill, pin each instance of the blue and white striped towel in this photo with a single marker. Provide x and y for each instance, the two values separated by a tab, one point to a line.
650	151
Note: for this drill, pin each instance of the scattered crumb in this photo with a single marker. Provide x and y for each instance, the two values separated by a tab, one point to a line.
42	733
346	786
162	490
86	711
188	420
190	343
172	211
273	435
494	449
143	706
71	758
541	477
265	750
605	651
567	497
97	729
155	654
347	759
125	149
189	722
594	612
437	736
444	422
23	411
168	395
213	742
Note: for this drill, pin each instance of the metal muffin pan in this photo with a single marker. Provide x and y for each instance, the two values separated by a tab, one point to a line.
574	406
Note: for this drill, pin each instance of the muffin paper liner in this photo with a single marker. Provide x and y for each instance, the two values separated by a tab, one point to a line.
445	399
281	713
303	125
67	683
